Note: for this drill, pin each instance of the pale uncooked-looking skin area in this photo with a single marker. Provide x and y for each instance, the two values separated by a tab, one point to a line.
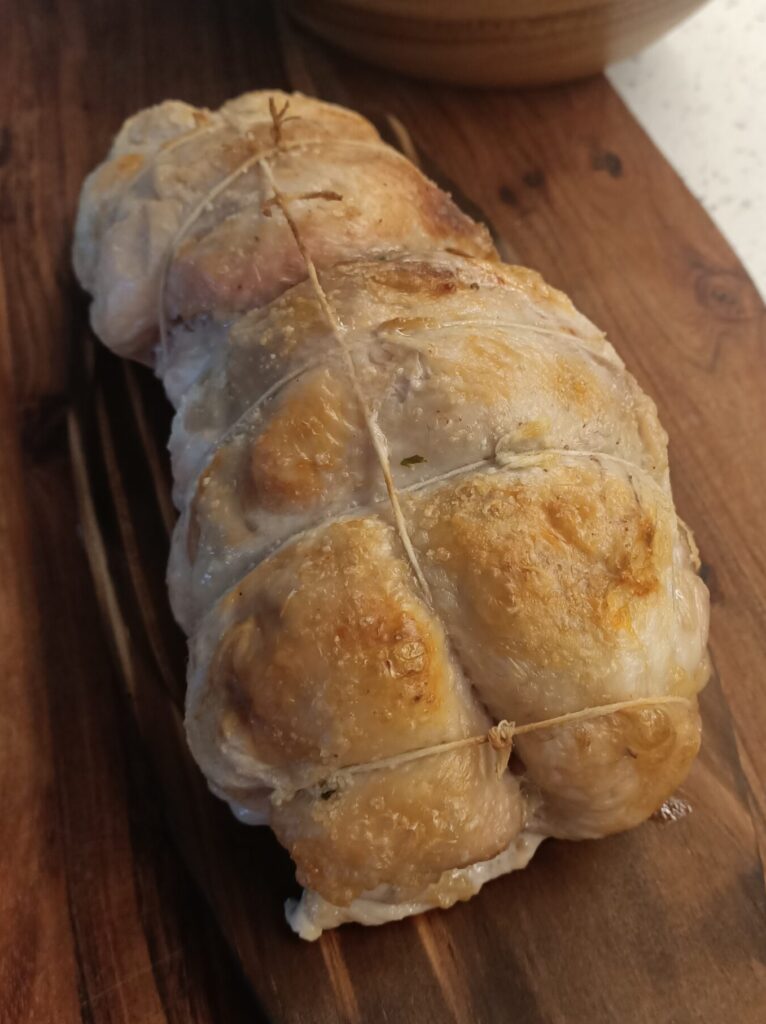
538	568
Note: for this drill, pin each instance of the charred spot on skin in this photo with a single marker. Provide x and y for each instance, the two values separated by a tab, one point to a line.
606	160
413	460
507	196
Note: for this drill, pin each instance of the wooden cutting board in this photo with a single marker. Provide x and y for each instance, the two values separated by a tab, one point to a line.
127	894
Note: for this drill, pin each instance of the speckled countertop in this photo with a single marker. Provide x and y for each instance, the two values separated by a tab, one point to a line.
700	92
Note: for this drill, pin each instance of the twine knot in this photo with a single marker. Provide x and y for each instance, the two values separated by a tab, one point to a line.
500	738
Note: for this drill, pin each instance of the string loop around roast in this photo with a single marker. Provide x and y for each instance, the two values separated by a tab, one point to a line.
499	737
377	438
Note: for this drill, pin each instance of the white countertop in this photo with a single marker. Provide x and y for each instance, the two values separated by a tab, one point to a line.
700	93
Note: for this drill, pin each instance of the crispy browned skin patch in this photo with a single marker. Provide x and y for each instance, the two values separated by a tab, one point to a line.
337	656
548	567
572	386
611	773
303	450
402	827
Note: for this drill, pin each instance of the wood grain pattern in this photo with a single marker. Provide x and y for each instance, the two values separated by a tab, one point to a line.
102	916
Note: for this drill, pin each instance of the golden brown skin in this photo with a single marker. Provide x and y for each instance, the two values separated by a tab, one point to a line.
495	361
548	574
403	828
337	658
611	773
